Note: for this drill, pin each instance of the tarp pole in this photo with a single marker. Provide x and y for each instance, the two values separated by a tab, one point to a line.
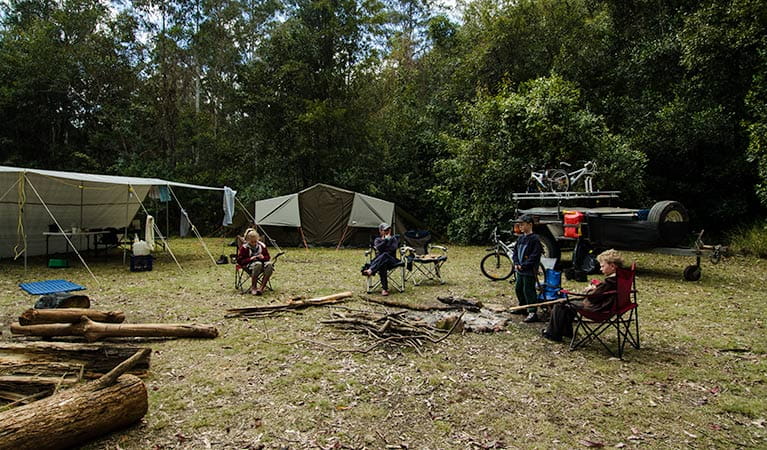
159	233
343	235
193	227
62	231
301	230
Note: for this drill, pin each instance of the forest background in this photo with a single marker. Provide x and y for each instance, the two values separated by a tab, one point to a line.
440	112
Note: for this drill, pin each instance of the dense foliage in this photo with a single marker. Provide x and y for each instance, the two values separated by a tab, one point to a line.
442	114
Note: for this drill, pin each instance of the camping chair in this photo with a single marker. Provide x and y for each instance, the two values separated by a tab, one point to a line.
623	317
242	277
550	288
422	264
395	275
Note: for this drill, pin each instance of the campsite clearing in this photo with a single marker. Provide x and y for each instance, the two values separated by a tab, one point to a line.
697	381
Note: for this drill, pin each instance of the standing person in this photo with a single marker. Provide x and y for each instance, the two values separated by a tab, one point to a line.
600	298
526	258
254	258
385	246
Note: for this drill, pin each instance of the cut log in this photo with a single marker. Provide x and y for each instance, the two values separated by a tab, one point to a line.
69	315
94	331
72	417
59	358
292	304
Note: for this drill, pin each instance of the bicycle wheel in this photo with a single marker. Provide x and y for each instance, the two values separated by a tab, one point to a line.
496	266
559	181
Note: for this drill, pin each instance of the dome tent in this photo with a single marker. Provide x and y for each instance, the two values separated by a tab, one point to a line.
324	215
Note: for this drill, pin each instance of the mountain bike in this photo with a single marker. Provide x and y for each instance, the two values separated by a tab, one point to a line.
548	180
497	264
586	172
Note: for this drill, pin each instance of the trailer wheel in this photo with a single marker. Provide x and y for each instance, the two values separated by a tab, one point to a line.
672	220
692	273
550	247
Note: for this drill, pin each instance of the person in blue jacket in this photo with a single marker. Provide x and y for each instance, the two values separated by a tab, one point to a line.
385	246
526	258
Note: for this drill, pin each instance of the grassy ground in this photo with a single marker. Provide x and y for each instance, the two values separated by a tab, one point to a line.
699	379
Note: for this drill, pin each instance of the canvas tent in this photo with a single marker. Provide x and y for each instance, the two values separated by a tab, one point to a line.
35	201
324	215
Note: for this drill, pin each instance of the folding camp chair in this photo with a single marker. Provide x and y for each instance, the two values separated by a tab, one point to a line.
242	277
623	317
550	287
422	263
395	275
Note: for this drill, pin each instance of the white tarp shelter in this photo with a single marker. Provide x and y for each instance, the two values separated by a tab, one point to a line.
34	201
323	215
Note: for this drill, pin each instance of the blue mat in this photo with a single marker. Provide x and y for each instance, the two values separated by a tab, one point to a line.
50	286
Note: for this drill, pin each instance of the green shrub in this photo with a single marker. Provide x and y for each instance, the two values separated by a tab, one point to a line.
751	240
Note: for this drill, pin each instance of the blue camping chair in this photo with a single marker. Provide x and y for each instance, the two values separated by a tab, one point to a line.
550	288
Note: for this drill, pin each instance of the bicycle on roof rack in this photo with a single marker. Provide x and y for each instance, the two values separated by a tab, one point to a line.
559	180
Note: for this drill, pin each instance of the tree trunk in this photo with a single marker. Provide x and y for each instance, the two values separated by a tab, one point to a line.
68	315
95	330
58	358
72	417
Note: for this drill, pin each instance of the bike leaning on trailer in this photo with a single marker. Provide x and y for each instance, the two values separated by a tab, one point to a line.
497	264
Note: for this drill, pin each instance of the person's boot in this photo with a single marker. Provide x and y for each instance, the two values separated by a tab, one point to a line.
532	317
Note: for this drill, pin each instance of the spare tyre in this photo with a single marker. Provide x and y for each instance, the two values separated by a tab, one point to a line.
672	220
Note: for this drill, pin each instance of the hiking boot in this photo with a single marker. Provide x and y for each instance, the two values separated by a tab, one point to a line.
549	337
532	317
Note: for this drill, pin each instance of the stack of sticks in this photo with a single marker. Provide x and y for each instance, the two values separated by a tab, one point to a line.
393	328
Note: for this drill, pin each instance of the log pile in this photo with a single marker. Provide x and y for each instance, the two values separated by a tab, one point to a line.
95	325
394	328
292	305
71	417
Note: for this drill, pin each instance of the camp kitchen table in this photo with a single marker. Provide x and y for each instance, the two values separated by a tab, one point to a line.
71	235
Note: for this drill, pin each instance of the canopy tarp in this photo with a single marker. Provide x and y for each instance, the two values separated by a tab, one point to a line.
323	215
84	201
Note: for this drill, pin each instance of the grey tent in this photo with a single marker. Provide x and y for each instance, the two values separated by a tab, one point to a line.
324	215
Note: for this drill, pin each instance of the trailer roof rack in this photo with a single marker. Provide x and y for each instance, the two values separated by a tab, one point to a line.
597	195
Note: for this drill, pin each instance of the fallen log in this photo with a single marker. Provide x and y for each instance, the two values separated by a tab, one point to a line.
59	358
69	315
93	331
397	304
72	417
290	305
469	304
26	385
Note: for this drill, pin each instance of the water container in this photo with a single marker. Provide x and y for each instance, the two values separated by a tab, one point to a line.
573	221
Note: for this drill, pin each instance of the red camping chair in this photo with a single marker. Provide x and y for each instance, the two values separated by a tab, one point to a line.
621	317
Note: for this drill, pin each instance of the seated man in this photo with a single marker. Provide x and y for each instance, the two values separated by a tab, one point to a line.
599	298
385	246
254	258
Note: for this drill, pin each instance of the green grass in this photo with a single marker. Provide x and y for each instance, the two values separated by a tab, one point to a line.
751	240
699	379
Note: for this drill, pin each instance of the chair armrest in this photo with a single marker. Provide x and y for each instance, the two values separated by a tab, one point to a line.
438	247
369	251
274	260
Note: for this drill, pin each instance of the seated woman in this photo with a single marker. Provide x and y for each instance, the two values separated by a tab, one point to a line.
254	258
599	298
386	256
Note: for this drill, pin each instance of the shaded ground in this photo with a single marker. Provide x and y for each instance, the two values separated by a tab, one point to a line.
699	379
